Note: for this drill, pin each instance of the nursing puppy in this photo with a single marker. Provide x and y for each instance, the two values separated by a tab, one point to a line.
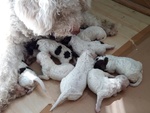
92	33
28	77
52	70
56	49
79	45
73	85
104	87
122	65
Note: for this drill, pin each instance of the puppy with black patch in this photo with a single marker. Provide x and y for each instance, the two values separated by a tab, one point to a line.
79	45
73	85
27	78
56	49
122	65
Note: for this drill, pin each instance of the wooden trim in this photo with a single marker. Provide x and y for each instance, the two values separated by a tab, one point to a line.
134	6
137	39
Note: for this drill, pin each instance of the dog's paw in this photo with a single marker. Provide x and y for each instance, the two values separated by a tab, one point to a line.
110	28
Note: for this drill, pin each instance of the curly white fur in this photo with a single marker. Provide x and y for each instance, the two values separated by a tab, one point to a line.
73	85
92	33
52	70
126	66
51	46
105	87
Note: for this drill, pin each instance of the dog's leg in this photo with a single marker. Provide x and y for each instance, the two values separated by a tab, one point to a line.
99	101
11	55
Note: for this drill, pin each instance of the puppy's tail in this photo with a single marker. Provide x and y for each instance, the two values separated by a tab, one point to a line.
61	99
38	80
138	81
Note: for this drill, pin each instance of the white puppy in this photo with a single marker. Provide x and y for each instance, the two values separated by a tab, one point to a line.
56	49
52	70
122	65
79	45
73	85
28	77
92	33
105	87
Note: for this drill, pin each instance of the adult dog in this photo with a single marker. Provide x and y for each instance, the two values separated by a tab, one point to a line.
32	18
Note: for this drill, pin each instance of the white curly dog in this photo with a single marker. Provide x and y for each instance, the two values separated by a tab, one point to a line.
31	18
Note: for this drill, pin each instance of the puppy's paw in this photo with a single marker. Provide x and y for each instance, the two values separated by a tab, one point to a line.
110	28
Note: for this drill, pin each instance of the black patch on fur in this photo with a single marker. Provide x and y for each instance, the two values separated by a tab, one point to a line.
67	54
101	42
29	68
74	54
37	46
58	50
66	40
101	64
97	59
21	70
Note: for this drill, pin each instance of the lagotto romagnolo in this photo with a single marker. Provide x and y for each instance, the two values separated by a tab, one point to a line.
32	18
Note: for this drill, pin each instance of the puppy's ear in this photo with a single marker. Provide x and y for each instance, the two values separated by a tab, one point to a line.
66	40
100	64
106	60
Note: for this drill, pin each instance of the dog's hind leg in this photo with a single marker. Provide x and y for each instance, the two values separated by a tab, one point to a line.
100	98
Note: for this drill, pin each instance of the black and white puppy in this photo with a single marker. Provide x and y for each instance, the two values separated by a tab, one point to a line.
79	45
27	78
122	65
56	49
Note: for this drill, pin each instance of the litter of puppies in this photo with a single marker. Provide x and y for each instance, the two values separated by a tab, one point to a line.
90	54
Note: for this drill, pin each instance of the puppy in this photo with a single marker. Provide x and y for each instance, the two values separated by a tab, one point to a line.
104	87
31	51
122	65
73	85
52	70
79	45
56	49
92	33
28	77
